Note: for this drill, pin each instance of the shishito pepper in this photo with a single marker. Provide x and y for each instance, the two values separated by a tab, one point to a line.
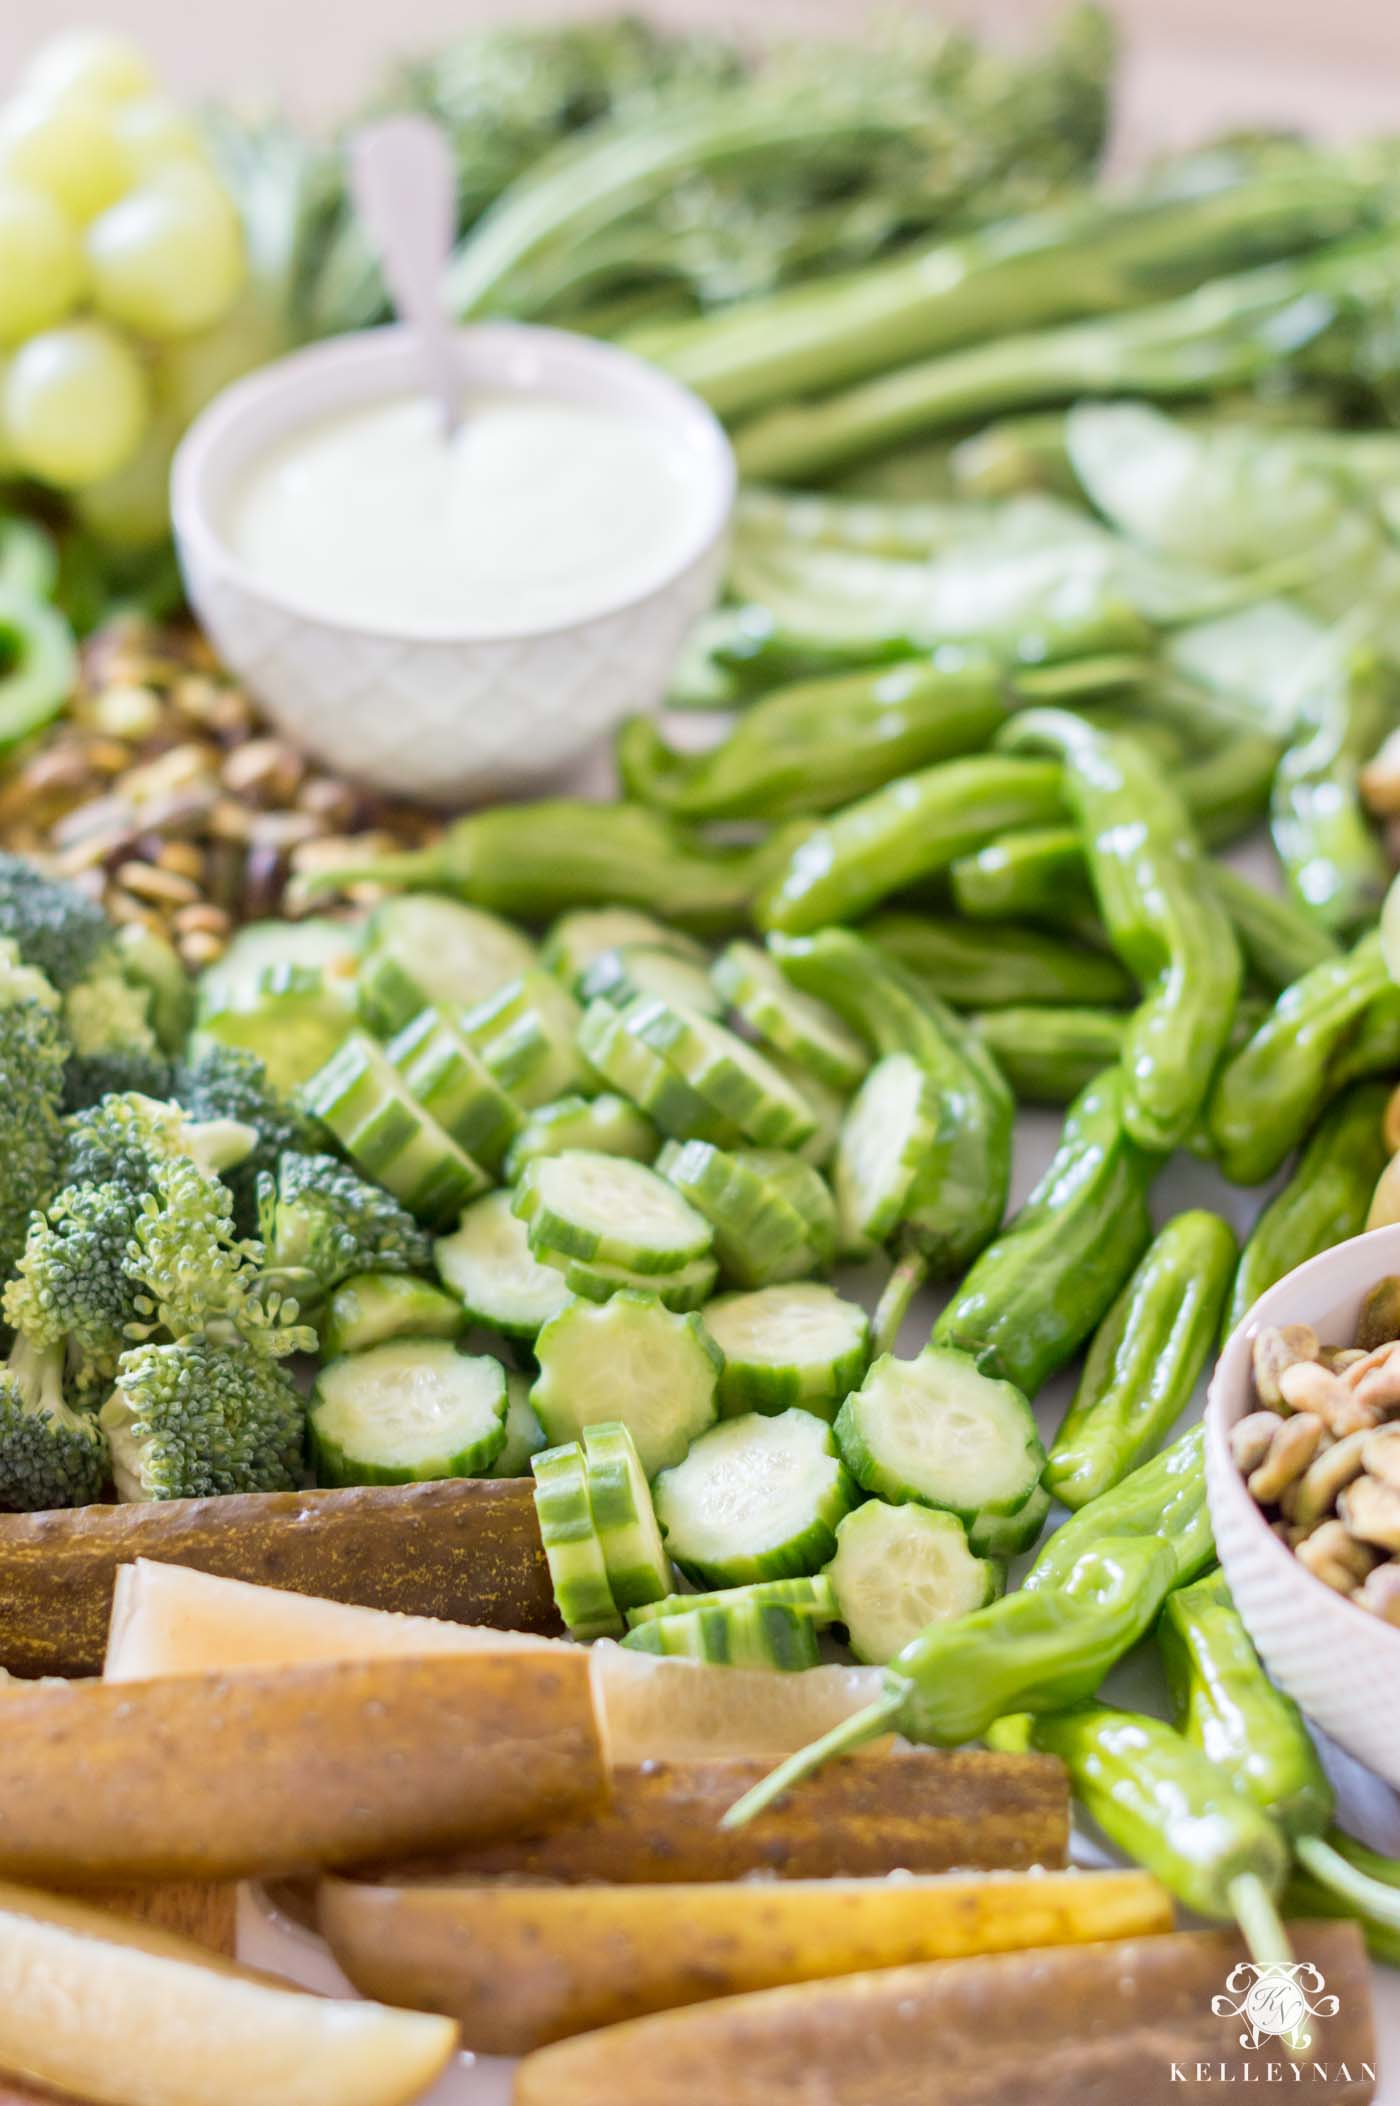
1093	1592
1163	916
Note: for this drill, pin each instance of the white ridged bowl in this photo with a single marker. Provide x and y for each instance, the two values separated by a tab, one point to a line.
1342	1665
443	716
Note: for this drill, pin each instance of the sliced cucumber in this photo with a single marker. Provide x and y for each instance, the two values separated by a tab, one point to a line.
753	1634
649	969
527	1034
632	1360
1008	1535
425	952
292	1016
690	1288
412	1409
393	1140
900	1568
802	1185
936	1431
799	1344
809	1596
827	1106
374	1307
524	1434
578	938
489	1266
793	1023
756	1498
572	1548
888	1131
633	1552
731	1075
609	1211
444	1073
762	1233
607	1125
328	947
611	1047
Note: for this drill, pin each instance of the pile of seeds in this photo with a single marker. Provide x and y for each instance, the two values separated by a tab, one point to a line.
165	795
1322	1455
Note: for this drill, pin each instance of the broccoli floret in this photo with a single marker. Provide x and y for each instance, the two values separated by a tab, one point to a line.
50	1455
54	926
196	1276
114	1047
72	1289
120	1070
123	1139
195	1420
321	1222
32	1054
226	1082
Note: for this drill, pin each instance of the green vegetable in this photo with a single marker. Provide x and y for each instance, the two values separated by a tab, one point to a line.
28	557
638	1568
1280	942
606	1125
524	1434
628	1360
38	664
1162	917
321	1222
936	1432
526	1035
362	1098
371	1308
572	1546
1332	858
998	965
577	939
293	1017
755	1498
421	952
688	1288
151	963
32	1055
1039	1290
800	1344
810	1595
740	1085
898	1569
1324	1201
609	1211
649	969
1049	1055
50	1454
223	1083
488	1264
772	1214
1146	1358
409	1409
764	1635
445	1074
791	1023
196	1419
886	1137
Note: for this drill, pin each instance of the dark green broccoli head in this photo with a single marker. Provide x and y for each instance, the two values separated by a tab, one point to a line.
226	1082
195	1420
125	1138
53	925
321	1222
32	1055
122	1070
50	1455
72	1289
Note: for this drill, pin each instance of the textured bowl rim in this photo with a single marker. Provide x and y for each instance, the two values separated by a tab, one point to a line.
219	441
1333	1275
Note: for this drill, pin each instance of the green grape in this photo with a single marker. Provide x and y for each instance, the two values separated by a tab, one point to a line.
42	271
131	509
76	404
192	370
168	260
94	63
69	150
154	134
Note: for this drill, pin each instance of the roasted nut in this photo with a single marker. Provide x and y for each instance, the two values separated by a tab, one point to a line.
127	712
1275	1350
1338	1358
1332	1556
167	887
182	857
1370	1511
1382	1456
1251	1439
1295	1443
203	919
1307	1386
1314	1495
1380	1592
200	948
267	771
1375	1381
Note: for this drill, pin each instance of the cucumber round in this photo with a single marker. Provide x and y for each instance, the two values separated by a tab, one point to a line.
579	937
756	1498
422	951
1009	1535
331	948
444	1073
633	1552
898	1569
488	1264
733	1076
793	1023
792	1345
627	1359
608	1125
769	1224
390	1138
936	1431
572	1549
611	1047
609	1211
810	1595
754	1634
827	1106
524	1434
527	1035
690	1288
373	1307
649	969
415	1408
291	1016
885	1139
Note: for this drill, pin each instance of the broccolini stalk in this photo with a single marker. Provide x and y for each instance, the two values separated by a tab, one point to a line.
1228	333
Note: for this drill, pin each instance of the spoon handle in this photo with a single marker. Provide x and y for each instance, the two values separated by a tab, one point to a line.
404	185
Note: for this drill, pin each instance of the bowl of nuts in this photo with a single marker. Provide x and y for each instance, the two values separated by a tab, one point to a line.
1303	1470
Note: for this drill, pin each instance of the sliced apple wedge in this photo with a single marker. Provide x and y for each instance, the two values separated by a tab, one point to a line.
266	1772
132	2016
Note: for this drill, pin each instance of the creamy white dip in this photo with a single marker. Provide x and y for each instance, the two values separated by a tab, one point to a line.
535	513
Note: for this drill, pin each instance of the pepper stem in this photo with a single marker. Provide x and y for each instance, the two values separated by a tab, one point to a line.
1384	1869
409	868
1374	1897
900	1288
854	1732
1261	1927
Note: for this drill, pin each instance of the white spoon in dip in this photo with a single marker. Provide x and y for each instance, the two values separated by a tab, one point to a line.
403	184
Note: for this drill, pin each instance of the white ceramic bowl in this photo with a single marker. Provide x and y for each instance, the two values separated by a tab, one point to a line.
443	716
1342	1665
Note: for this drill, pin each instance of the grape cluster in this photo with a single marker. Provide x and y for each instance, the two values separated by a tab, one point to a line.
119	247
